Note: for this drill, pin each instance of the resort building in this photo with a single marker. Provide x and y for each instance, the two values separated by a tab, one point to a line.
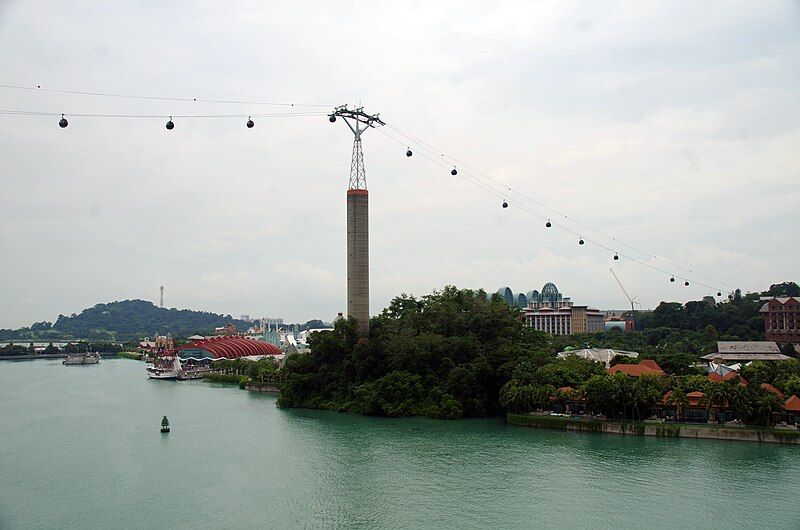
646	367
782	319
601	355
792	410
226	348
729	352
552	312
694	410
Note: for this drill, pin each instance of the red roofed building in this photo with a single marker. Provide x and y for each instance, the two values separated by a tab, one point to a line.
792	408
768	387
646	367
694	411
226	348
730	376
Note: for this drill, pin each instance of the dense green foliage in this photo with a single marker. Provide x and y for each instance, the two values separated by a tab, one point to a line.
128	319
445	355
456	354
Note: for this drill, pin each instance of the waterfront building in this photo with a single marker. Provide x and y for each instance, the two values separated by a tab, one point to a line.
745	351
695	411
646	367
792	409
782	319
601	355
567	401
226	348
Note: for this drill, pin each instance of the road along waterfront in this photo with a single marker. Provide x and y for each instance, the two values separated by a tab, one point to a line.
81	448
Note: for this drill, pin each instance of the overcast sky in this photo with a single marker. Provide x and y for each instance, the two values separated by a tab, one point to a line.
674	127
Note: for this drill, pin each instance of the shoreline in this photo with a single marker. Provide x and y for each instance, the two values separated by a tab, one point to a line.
659	430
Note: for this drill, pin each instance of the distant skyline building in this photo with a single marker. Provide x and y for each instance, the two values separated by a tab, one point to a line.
552	312
782	319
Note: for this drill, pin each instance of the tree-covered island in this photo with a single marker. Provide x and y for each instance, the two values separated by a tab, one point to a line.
457	354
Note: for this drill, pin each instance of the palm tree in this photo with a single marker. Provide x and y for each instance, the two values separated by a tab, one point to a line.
740	403
720	397
678	398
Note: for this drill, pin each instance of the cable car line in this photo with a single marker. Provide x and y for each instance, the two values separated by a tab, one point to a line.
38	88
463	164
466	172
465	175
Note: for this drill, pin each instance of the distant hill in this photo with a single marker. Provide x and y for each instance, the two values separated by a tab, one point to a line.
125	320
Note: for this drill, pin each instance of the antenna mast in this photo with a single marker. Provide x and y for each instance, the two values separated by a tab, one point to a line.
162	297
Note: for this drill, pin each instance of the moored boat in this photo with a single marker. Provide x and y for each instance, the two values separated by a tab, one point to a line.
81	358
164	369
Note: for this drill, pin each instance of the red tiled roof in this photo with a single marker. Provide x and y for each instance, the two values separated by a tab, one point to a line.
566	389
733	375
646	367
769	387
716	378
694	398
233	347
792	404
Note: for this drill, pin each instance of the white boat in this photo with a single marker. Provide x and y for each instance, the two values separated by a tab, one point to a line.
164	371
81	358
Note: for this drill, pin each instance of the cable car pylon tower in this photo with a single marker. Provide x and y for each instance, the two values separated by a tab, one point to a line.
357	216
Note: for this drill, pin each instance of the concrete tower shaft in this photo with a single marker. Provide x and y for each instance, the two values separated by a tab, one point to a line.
358	257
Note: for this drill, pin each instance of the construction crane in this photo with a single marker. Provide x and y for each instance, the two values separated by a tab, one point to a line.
631	300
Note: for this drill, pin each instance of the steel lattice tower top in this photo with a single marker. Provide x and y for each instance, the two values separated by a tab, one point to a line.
358	121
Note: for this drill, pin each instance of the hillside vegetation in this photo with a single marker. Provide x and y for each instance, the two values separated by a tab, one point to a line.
454	354
125	320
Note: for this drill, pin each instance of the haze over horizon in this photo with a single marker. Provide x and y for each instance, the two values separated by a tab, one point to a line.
675	127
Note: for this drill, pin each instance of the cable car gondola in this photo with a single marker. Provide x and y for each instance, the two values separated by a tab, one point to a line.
331	118
454	172
505	204
250	122
580	241
63	122
548	224
409	153
170	125
616	257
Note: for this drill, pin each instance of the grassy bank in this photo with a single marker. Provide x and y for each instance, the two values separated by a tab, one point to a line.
660	430
130	355
225	378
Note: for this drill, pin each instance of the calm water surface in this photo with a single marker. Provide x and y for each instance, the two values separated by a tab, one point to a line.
80	448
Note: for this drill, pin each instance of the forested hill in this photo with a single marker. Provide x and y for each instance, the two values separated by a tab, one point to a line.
125	320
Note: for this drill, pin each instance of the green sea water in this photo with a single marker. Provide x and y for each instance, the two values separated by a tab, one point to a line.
80	448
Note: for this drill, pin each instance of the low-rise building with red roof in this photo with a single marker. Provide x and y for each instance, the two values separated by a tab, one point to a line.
646	367
792	408
694	410
730	376
768	387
